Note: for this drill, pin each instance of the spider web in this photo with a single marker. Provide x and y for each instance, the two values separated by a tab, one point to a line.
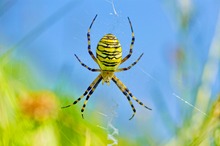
141	79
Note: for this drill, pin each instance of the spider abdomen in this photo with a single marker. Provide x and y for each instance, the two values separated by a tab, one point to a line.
109	53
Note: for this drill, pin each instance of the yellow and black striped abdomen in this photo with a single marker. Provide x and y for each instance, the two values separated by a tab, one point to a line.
109	53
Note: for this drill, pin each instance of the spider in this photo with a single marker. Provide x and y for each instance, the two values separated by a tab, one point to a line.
108	57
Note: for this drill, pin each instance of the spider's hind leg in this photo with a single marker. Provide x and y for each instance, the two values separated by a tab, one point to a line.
132	43
88	39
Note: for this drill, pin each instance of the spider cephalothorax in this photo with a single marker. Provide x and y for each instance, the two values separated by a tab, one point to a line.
108	57
107	76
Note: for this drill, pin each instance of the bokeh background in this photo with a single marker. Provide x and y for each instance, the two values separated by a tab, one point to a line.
178	76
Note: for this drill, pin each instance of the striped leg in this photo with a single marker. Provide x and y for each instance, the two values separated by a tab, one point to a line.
132	43
127	68
91	69
132	106
124	89
90	93
91	86
127	95
137	100
88	37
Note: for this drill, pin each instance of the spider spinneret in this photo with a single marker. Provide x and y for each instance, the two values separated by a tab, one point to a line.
109	58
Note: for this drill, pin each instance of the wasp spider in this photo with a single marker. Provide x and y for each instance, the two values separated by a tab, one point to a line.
108	57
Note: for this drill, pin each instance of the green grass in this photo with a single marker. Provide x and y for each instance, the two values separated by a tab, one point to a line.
32	116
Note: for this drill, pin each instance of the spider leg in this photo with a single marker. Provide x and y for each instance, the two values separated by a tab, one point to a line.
90	93
84	65
127	95
127	68
88	37
124	89
132	43
129	99
137	100
91	86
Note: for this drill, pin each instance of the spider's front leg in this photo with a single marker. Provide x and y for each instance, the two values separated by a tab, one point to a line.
88	91
127	93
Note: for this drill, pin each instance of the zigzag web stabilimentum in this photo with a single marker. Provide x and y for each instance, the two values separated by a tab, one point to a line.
113	7
111	130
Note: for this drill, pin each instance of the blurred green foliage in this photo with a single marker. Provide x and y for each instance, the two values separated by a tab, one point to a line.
32	117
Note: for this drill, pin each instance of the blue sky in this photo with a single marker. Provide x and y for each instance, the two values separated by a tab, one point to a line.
48	33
